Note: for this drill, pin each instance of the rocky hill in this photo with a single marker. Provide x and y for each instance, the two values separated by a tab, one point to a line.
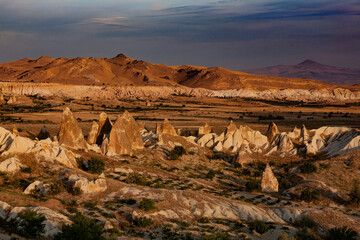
122	70
310	69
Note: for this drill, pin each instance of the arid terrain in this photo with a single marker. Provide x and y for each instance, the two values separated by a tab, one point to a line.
123	149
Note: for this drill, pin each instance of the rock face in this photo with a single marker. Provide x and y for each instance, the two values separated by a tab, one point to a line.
272	131
269	183
86	186
231	128
11	165
70	133
37	187
43	134
91	139
104	128
124	136
243	156
204	130
166	128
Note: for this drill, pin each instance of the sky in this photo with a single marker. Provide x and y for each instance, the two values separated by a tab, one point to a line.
235	34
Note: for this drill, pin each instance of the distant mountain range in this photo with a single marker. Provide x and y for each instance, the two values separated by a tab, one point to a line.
312	70
123	70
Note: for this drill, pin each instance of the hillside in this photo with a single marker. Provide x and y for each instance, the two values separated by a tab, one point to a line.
313	70
122	70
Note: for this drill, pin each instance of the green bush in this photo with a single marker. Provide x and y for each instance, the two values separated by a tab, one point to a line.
285	236
76	191
259	226
308	167
83	228
177	152
303	235
211	174
26	170
343	233
55	188
147	204
355	194
309	195
143	222
253	185
305	222
325	165
28	224
96	165
218	236
136	178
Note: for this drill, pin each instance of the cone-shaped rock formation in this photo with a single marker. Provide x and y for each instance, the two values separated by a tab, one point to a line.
272	131
269	183
165	127
43	134
91	139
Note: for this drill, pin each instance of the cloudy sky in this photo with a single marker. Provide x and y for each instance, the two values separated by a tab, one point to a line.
236	34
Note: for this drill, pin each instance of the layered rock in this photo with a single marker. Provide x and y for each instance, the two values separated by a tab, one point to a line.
86	186
165	128
269	183
43	134
70	133
124	136
91	139
104	128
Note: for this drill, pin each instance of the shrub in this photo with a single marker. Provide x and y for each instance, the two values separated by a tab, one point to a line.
76	191
303	235
143	222
325	165
55	188
29	224
343	233
83	228
211	174
355	194
26	170
305	222
136	178
285	236
177	152
218	236
309	195
147	204
308	167
253	185
258	226
96	165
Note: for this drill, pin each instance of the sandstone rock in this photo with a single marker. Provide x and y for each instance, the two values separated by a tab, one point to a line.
230	129
166	128
37	187
43	134
148	104
243	157
70	133
272	131
124	136
11	165
204	130
269	183
104	128
218	147
12	100
205	139
4	209
86	186
15	131
19	145
6	139
304	134
91	139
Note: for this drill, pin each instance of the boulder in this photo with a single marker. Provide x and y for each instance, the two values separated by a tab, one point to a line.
4	209
204	130
11	165
104	128
230	129
243	156
166	128
86	186
6	139
272	131
124	136
70	133
43	134
91	139
269	183
37	187
19	145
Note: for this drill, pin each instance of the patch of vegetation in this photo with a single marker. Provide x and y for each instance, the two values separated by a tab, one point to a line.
355	194
259	226
218	236
26	170
285	236
343	233
55	188
147	204
96	165
211	174
325	165
306	222
83	228
76	191
308	167
253	185
137	178
143	222
303	235
177	152
309	195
